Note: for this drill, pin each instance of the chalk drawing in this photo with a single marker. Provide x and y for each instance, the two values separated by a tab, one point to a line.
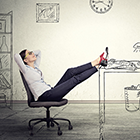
47	12
6	61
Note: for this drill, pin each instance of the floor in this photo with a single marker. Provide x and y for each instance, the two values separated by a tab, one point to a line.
119	123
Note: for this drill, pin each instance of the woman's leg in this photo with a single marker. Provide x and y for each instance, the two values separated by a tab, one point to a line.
59	91
77	70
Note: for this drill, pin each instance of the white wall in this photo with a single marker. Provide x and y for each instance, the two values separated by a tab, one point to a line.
79	37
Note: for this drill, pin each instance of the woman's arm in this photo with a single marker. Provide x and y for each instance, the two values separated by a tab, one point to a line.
38	56
20	63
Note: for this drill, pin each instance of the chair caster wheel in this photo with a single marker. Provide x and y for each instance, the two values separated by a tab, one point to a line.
59	133
52	124
31	134
70	127
30	128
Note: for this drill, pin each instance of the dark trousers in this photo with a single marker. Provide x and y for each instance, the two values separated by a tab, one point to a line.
71	78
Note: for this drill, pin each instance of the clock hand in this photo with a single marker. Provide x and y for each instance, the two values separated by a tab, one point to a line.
100	1
97	1
105	3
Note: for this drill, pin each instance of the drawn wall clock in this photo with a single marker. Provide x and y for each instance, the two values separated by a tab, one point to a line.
101	6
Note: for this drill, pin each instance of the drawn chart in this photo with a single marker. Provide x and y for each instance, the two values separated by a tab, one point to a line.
6	55
47	12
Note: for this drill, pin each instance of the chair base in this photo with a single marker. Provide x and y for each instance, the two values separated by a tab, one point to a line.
50	122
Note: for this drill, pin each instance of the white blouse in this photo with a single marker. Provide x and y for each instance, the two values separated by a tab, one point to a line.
33	76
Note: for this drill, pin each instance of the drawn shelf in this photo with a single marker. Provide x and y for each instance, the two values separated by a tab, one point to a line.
6	62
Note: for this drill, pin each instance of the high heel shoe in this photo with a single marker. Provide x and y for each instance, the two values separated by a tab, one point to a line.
103	61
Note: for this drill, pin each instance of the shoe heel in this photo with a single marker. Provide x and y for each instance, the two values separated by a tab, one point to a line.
106	49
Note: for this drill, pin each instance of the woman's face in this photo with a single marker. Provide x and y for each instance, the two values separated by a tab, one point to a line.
29	57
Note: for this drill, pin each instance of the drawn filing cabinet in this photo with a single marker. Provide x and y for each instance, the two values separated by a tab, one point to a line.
6	59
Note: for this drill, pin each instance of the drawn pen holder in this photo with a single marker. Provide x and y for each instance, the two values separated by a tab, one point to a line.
132	98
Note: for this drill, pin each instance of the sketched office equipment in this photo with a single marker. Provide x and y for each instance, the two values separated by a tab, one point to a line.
4	84
47	12
123	64
6	55
132	100
132	94
3	47
136	47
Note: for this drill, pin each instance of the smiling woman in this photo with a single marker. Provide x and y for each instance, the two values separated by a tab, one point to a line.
29	58
29	53
29	62
24	55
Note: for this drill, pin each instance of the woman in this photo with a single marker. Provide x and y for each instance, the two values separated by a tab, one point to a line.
28	63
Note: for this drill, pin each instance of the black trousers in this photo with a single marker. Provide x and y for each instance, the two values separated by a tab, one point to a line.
71	78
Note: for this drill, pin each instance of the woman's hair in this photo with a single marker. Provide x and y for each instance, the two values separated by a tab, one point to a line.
23	54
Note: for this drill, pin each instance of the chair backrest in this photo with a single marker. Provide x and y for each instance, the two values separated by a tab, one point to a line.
29	93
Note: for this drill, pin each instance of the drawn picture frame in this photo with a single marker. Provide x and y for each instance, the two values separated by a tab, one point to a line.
47	12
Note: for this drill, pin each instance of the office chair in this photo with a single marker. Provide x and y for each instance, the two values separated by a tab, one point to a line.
47	104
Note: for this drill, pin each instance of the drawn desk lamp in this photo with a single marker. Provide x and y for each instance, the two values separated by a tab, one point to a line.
3	47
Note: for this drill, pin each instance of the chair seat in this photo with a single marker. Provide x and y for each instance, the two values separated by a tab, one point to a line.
48	104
